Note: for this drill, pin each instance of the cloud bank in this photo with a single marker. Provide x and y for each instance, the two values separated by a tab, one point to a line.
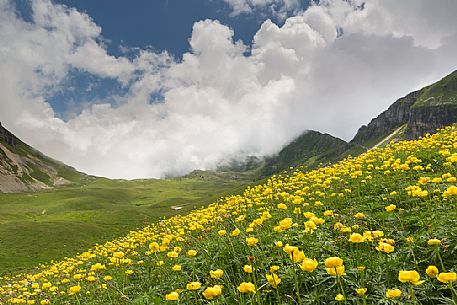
330	68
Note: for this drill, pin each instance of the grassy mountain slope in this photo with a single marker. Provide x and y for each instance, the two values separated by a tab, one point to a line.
441	93
421	111
377	229
42	226
308	151
22	168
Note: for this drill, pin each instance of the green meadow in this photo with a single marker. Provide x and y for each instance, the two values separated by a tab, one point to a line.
43	226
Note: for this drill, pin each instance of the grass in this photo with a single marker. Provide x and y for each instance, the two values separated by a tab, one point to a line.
40	227
442	93
377	229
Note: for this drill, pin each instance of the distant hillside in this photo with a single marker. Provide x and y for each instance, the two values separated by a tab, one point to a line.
309	150
416	114
22	168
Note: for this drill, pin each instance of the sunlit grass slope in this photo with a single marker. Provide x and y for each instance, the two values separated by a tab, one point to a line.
38	227
377	229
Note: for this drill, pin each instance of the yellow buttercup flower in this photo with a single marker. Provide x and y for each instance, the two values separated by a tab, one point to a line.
176	268
192	253
193	286
173	296
361	291
212	292
390	207
340	297
332	262
74	289
340	270
434	242
393	293
432	271
246	287
236	232
356	238
274	269
447	277
309	264
216	274
409	276
172	254
359	215
273	279
247	268
251	241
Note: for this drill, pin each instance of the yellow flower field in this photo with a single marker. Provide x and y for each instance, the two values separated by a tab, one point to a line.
377	229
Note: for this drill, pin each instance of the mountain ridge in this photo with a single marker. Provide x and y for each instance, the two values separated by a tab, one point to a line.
23	168
422	111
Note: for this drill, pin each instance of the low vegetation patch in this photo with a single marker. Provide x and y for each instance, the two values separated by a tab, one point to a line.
377	229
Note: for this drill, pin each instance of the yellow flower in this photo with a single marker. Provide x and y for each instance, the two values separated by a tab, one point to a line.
129	272
74	289
173	296
359	215
91	278
216	274
97	266
273	279
221	232
289	249
154	247
282	206
309	264
393	293
176	268
385	247
332	262
46	285
328	213
211	292
172	254
447	277
251	241
339	297
192	253
274	268
356	238
278	244
45	302
235	232
286	223
119	254
390	208
193	286
434	242
409	276
310	225
361	291
297	255
432	271
247	268
340	270
108	278
246	287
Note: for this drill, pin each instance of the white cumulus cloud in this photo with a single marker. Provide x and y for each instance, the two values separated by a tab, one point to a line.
330	68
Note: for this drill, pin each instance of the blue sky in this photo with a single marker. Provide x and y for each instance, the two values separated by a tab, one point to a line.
159	25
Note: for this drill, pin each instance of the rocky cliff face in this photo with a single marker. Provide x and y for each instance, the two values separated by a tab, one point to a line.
419	117
396	115
425	120
23	168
